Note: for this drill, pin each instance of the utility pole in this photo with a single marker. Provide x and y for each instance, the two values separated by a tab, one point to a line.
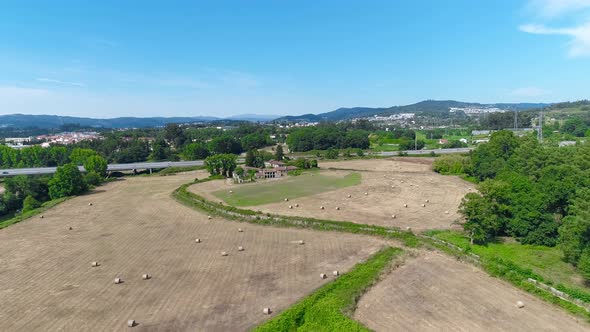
515	120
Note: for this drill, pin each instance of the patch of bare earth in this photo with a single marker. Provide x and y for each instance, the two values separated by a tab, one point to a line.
434	292
390	184
135	227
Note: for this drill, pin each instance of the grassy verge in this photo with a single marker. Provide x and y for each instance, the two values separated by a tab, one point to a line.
326	308
516	263
184	196
292	187
20	217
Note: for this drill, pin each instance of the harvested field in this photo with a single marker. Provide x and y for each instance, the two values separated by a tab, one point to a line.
389	184
134	227
434	292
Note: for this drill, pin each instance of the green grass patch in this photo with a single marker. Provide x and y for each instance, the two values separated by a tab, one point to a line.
20	217
271	191
547	262
327	308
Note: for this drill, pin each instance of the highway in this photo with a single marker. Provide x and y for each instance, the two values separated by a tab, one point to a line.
111	167
166	164
423	152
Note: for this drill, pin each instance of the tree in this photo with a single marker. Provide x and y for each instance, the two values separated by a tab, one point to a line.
96	164
482	221
225	144
160	150
279	155
174	134
254	159
30	203
332	154
574	233
79	155
66	181
195	151
221	164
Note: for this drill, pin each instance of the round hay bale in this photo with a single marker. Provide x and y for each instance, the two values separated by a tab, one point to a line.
89	204
323	276
240	230
209	217
267	311
393	216
290	206
301	242
131	323
231	191
349	196
286	199
423	205
427	201
337	208
366	194
94	264
223	253
297	205
392	186
519	304
336	273
41	216
118	280
409	229
198	240
145	276
405	205
446	212
321	207
240	248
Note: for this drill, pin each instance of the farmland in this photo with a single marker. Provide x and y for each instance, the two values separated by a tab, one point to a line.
389	185
272	191
134	227
433	292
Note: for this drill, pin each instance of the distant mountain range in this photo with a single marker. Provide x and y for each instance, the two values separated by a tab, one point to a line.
423	107
427	106
56	121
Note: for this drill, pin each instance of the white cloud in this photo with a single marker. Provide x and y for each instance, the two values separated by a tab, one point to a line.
563	10
579	44
50	80
529	92
555	8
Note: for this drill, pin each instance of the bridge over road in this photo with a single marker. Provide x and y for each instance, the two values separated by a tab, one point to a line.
110	168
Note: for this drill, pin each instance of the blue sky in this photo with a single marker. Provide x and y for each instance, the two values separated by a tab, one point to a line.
188	58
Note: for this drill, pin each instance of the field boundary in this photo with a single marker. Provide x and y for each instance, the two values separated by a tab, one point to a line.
29	214
329	306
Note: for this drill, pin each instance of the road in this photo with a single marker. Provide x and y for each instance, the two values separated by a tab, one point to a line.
166	164
111	167
423	152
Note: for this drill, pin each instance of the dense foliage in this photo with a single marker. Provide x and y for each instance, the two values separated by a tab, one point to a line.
535	193
327	136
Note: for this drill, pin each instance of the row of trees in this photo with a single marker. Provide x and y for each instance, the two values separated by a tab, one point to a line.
536	193
327	136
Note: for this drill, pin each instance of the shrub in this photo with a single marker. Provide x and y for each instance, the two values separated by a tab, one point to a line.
30	203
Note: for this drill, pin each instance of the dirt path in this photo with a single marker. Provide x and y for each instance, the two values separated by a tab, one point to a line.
135	227
434	292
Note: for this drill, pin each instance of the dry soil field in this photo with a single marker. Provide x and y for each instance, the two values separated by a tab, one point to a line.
135	227
389	184
434	292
